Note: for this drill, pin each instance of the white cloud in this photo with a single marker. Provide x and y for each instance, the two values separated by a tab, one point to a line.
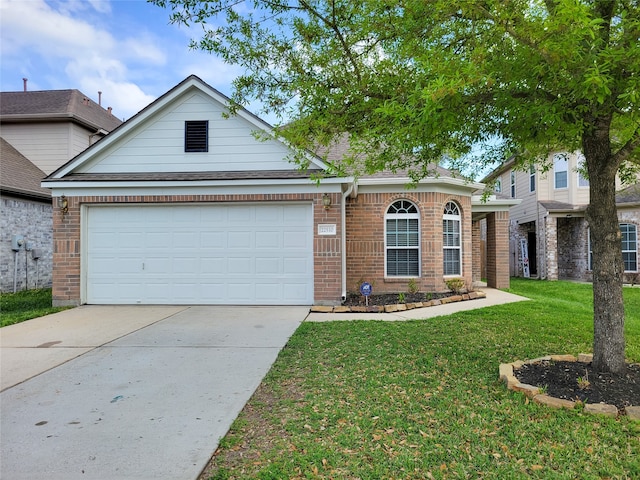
80	54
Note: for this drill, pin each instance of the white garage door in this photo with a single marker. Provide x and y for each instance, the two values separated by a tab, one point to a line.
249	254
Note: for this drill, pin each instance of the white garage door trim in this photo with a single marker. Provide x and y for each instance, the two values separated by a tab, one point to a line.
204	253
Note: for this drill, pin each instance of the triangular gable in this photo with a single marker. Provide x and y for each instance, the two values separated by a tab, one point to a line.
153	140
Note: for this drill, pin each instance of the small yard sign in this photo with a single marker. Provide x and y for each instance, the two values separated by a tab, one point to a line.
365	289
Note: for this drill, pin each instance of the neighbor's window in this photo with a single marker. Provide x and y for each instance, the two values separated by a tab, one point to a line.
583	181
629	247
513	184
451	239
402	240
498	185
532	178
629	235
196	136
560	167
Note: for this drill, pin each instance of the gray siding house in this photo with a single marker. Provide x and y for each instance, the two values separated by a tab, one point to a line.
39	131
549	235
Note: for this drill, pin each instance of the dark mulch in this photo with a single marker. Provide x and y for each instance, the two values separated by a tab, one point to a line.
578	381
354	300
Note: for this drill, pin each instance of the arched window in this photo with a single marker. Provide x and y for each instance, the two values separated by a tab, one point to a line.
451	239
402	240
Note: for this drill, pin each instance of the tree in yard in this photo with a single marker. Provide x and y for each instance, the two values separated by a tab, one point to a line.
414	81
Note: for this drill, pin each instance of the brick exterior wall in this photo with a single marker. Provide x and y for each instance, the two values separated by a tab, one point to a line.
563	246
366	246
32	220
498	250
67	248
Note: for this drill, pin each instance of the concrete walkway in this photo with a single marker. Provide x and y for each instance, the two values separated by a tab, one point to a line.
142	392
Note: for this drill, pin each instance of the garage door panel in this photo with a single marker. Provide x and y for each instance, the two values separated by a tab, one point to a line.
268	239
268	265
209	254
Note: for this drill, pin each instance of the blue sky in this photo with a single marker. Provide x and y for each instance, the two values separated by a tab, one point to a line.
125	48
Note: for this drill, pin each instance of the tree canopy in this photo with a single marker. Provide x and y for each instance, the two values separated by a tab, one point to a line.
418	81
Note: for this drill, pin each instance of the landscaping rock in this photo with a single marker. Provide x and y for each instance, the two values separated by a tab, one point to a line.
554	402
321	308
585	357
529	390
633	412
341	309
563	358
601	409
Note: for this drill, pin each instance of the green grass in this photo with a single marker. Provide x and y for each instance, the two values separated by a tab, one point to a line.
422	399
20	306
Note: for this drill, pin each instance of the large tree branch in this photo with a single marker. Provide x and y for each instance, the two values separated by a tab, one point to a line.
624	154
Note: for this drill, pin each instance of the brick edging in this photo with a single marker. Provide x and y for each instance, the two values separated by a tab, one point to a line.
397	307
534	393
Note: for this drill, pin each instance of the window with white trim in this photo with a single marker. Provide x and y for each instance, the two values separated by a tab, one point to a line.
532	178
451	239
629	237
402	240
629	247
498	185
583	181
513	184
560	168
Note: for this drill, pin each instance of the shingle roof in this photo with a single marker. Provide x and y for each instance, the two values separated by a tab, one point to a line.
18	175
630	194
552	206
341	148
56	104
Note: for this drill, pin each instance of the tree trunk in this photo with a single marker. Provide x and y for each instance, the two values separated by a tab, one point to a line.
608	267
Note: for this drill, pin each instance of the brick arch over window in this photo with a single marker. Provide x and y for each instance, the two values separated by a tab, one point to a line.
402	239
452	239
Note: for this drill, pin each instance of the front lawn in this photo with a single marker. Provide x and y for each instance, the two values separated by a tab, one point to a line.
20	306
421	400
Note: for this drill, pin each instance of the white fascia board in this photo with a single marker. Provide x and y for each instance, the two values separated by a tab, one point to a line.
431	184
72	189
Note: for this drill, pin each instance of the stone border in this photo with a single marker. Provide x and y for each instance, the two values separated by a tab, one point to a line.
398	307
534	393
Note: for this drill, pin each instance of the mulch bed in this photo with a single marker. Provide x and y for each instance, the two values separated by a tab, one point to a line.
354	300
577	381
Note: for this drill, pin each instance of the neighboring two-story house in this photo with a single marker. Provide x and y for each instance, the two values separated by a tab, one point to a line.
39	131
549	235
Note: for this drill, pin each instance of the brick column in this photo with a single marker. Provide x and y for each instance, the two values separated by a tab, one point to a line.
476	248
498	250
551	247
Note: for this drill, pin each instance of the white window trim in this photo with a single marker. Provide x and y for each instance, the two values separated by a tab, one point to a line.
532	178
513	184
590	252
560	157
388	215
457	218
581	182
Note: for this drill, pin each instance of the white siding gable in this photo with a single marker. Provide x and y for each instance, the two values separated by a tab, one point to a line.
157	144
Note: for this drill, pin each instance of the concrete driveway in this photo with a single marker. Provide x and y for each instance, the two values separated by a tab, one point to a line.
130	392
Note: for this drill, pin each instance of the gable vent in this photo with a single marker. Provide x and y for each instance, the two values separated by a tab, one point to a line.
196	136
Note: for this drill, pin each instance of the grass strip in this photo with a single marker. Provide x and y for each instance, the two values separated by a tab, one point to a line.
27	304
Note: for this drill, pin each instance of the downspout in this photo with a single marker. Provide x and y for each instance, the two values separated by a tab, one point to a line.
343	229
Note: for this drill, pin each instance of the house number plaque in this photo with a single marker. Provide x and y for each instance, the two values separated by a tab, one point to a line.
326	229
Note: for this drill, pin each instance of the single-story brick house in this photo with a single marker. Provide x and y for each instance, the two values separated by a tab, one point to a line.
182	204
